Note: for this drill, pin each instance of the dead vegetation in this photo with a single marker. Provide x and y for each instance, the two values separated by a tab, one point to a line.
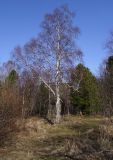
77	138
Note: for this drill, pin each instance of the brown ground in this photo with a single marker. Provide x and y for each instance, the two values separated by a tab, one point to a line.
86	138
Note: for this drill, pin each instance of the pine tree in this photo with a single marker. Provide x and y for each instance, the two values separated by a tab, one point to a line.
85	100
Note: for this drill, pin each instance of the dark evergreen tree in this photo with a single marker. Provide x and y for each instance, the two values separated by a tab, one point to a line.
106	87
12	77
84	100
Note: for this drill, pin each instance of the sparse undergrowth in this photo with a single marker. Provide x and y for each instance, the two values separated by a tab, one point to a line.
77	138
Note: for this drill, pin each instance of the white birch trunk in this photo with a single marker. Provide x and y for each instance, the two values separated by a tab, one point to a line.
58	75
58	101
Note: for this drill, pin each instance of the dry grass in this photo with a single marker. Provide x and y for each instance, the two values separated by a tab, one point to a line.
76	138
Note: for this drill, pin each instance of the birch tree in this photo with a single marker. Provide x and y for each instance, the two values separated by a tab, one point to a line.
54	49
58	37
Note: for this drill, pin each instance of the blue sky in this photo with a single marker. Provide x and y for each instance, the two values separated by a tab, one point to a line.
20	21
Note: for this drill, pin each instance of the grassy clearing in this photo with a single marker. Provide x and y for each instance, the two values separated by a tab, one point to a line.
75	138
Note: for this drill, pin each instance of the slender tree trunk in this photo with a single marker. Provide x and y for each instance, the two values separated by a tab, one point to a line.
58	105
68	102
58	77
68	109
49	105
23	105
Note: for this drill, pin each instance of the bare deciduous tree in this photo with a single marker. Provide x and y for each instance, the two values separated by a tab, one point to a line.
53	50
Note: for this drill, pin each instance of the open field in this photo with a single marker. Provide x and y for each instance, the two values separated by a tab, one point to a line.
86	138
